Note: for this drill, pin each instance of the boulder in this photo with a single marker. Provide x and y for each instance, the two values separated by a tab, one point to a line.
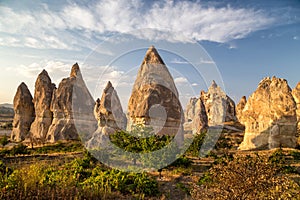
270	117
296	95
154	101
240	107
42	101
70	99
24	114
219	107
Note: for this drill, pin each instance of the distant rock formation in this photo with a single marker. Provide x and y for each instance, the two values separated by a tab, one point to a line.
270	116
219	107
109	114
42	101
154	100
240	107
24	113
69	90
296	95
195	116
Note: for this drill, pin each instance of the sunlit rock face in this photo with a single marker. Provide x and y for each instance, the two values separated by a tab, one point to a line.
219	107
109	114
240	107
24	113
270	116
70	99
296	95
42	101
154	100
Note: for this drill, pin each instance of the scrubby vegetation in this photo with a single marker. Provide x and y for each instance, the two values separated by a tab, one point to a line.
248	177
80	179
223	174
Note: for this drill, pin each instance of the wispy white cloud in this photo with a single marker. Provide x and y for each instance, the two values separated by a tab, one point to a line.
179	61
180	80
74	25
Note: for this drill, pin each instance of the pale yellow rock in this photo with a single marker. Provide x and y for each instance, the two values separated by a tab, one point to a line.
296	95
270	117
240	107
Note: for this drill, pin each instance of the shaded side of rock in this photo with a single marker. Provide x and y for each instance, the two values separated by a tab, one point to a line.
24	113
195	116
270	116
69	90
42	101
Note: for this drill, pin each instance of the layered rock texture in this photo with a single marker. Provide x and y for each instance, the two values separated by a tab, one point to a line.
42	101
240	107
69	90
296	95
24	113
154	100
109	114
219	107
195	116
270	116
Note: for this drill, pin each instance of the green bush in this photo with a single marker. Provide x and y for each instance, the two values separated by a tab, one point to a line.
4	140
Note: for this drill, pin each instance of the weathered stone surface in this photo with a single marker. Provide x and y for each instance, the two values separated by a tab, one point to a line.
154	100
239	108
296	95
109	114
70	99
270	116
109	110
42	101
24	113
219	107
195	116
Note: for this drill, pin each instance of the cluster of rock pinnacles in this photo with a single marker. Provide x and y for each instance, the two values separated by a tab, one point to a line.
270	115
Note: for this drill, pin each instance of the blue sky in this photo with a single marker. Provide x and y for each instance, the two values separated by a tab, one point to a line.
235	42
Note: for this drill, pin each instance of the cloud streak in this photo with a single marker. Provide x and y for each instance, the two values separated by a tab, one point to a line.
74	25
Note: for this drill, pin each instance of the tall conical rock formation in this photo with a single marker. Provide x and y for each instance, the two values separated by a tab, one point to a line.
195	116
240	107
42	102
296	95
219	107
70	99
109	114
154	100
24	113
270	116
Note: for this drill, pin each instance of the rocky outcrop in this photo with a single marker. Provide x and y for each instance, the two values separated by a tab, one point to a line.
42	101
296	95
219	107
154	100
109	114
270	116
70	99
195	116
24	113
240	107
